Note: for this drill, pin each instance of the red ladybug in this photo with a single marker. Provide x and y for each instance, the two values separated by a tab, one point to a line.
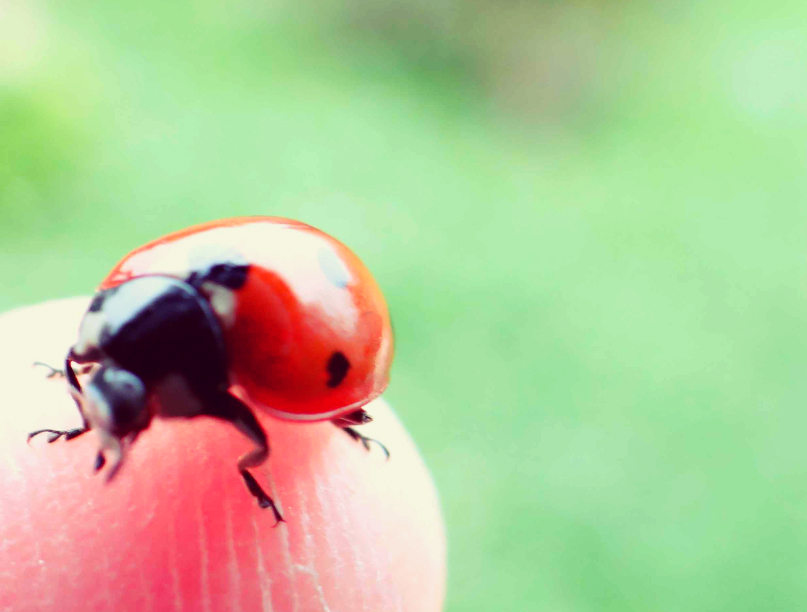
220	318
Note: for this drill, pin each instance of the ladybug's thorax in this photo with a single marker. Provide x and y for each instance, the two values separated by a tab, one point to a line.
154	326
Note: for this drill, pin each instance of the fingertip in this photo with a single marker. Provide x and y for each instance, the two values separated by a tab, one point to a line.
178	529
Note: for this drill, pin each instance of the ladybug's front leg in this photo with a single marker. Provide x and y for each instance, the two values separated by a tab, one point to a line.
75	388
229	408
53	372
55	434
357	417
57	373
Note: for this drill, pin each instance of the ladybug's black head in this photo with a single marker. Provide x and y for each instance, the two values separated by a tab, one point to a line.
115	402
115	405
143	335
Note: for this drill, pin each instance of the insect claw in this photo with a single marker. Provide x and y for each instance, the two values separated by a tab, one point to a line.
54	372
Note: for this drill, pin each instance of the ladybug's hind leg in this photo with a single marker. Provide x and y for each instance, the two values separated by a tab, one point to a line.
229	408
357	417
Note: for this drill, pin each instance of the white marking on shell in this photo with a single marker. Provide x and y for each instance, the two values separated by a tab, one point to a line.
89	333
222	301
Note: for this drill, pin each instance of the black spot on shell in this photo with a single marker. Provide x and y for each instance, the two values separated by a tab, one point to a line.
338	365
333	267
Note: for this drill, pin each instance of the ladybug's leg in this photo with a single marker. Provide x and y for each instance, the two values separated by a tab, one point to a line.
53	373
363	439
229	408
57	373
357	417
75	388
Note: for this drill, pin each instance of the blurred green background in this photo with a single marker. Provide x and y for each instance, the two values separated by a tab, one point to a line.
588	218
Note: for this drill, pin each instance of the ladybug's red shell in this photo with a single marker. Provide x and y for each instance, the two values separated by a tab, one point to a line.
309	335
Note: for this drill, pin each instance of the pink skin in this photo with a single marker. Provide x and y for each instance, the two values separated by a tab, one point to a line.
177	529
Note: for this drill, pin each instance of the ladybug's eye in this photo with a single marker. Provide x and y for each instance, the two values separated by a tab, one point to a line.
98	301
338	365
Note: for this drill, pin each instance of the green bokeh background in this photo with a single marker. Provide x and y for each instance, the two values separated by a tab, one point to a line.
588	219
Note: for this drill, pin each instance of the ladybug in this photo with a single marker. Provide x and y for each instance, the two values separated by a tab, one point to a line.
225	317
